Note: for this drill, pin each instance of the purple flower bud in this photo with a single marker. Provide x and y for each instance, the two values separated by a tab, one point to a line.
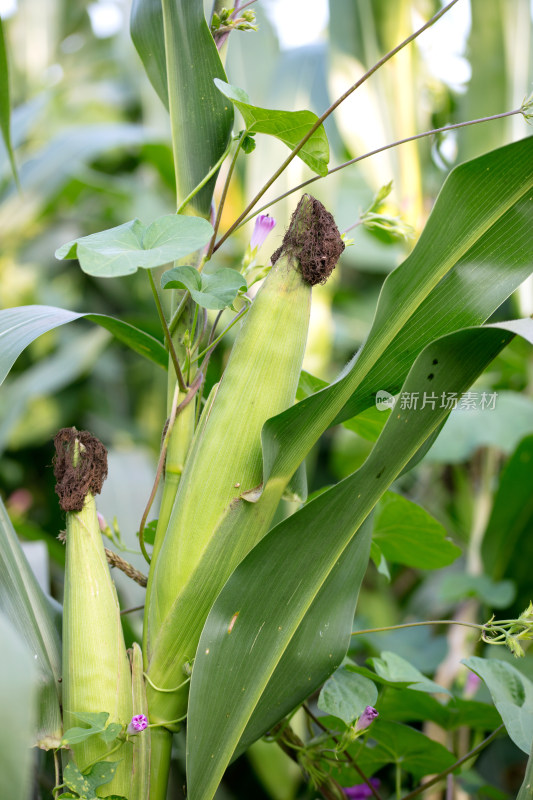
367	717
472	684
263	225
101	521
360	791
138	723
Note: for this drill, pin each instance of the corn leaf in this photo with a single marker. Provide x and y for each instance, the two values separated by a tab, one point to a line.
25	606
181	60
21	326
478	235
287	126
5	105
18	699
233	669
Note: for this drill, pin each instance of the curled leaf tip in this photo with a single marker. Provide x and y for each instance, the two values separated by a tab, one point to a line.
80	467
314	239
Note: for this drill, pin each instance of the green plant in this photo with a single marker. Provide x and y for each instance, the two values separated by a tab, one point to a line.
245	619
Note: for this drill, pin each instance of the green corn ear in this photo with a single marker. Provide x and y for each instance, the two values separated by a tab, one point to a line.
96	672
225	461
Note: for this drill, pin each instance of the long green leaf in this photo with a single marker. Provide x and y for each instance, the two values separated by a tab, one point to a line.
18	696
511	521
24	604
181	60
5	105
233	669
21	326
481	222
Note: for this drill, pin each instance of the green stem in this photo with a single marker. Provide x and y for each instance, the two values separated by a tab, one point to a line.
398	780
467	757
324	116
168	337
416	624
214	343
176	316
161	749
223	198
205	180
375	152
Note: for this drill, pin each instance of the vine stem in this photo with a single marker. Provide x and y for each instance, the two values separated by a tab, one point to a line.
324	116
370	153
445	772
223	196
417	624
168	337
176	409
204	180
211	346
347	755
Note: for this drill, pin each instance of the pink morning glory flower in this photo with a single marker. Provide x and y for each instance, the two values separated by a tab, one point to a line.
367	717
138	723
263	225
360	791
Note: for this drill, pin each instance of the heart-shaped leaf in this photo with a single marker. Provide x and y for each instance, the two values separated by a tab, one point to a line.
345	695
287	126
96	722
396	669
86	784
407	534
122	250
405	746
217	290
512	694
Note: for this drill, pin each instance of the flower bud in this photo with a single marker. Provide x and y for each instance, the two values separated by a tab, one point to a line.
264	223
367	717
138	723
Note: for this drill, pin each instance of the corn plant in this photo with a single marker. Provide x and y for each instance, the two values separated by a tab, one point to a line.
245	616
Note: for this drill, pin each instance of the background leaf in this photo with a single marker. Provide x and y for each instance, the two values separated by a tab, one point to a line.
21	326
495	594
287	126
395	669
511	522
18	699
407	534
345	694
24	605
5	105
399	744
512	694
122	250
181	60
210	290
